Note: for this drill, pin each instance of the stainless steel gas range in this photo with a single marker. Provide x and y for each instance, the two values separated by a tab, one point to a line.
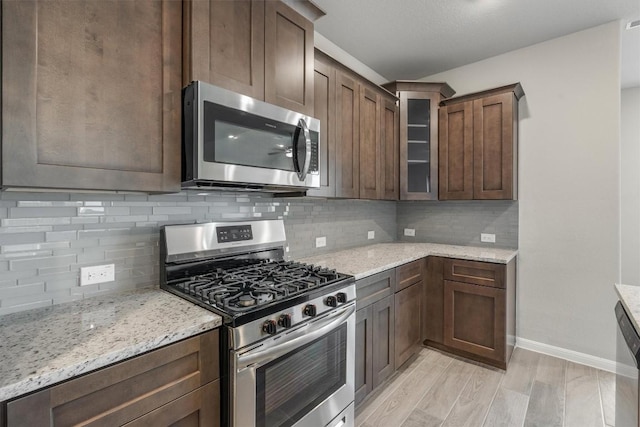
288	332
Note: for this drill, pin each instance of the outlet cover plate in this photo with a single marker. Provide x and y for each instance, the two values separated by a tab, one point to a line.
410	232
97	274
487	237
371	234
321	242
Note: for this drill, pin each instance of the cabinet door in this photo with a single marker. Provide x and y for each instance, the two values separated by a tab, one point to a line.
456	151
347	137
407	322
324	107
419	145
369	144
197	409
364	353
383	340
125	391
389	150
493	147
91	94
433	318
224	44
288	58
474	319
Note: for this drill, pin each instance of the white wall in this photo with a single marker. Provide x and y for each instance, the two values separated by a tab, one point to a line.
630	186
568	183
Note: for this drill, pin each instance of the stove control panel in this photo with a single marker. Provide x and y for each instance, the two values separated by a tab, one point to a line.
234	233
282	321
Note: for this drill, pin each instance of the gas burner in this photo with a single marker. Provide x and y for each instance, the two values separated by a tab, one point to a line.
249	286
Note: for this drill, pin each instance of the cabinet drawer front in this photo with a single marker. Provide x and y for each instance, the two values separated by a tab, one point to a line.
374	288
478	273
408	274
125	391
474	319
198	408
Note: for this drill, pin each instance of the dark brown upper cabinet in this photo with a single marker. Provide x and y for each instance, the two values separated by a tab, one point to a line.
324	101
359	134
478	145
389	149
369	144
91	95
418	163
347	136
263	49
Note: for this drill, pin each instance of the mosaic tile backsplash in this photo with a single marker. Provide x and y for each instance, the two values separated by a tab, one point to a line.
45	238
460	222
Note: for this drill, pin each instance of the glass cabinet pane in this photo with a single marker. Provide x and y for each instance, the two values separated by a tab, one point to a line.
419	145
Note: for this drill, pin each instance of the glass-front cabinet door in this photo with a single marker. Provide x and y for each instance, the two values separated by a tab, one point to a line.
419	137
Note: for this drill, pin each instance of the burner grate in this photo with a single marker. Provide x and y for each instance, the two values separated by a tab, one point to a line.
244	288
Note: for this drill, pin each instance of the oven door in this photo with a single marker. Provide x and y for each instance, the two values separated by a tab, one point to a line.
304	377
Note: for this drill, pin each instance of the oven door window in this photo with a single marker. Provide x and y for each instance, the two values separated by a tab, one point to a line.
239	138
291	386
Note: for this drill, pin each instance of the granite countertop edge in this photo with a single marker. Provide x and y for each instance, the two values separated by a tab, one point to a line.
629	295
364	261
33	360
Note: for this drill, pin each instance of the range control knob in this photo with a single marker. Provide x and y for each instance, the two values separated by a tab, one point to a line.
284	320
309	310
342	297
269	327
331	301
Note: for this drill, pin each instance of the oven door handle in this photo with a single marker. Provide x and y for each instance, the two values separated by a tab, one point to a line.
298	338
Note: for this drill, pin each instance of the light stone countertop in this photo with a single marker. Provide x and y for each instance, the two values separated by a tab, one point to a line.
630	297
364	261
45	346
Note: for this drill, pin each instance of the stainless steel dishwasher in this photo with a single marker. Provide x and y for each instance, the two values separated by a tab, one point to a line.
627	360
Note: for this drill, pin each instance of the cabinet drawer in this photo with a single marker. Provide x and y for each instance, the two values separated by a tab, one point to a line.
374	288
125	391
198	408
409	273
475	272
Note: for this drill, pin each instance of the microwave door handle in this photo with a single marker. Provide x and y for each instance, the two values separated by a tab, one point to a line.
302	173
298	338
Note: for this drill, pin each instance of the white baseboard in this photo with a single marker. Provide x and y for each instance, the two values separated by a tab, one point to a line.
570	355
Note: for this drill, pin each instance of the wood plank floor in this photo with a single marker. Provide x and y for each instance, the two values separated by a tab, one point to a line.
437	389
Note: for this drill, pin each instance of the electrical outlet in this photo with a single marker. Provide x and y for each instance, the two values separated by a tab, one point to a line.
410	232
321	242
371	234
97	274
487	237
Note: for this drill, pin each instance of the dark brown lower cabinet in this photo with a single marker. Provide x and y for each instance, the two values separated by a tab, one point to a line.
201	407
407	322
471	309
174	385
474	319
374	349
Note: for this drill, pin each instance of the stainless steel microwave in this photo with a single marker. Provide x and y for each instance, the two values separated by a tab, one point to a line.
232	140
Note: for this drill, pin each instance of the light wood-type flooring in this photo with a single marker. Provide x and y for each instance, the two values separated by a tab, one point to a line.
437	389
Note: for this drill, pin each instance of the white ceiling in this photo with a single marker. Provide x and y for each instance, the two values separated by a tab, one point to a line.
410	39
